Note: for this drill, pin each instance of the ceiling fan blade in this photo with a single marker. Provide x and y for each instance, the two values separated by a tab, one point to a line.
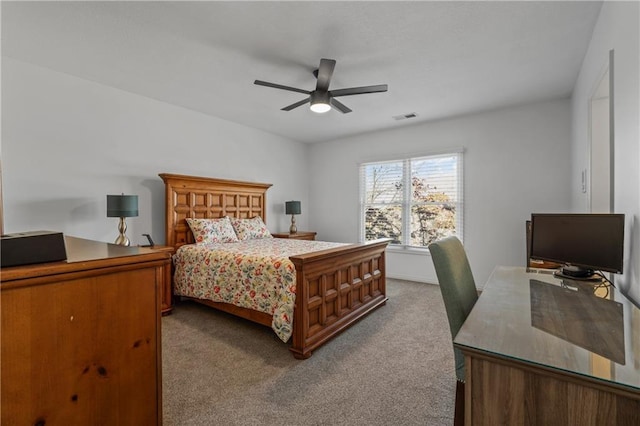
280	86
358	90
325	71
339	106
296	105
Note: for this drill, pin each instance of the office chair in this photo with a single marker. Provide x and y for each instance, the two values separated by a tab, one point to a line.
459	294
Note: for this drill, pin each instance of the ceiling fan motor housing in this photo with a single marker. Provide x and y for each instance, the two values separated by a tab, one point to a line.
320	97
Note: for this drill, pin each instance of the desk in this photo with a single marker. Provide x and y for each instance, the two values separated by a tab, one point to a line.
541	351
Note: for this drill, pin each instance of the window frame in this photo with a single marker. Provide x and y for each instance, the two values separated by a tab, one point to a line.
407	203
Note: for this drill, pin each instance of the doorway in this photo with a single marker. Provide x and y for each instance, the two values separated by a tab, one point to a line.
601	143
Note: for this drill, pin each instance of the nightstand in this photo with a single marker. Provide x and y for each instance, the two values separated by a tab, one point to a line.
167	290
300	235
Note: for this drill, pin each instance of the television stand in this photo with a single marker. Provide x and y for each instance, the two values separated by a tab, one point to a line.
592	277
576	271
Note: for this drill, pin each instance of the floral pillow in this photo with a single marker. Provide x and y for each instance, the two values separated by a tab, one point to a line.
206	231
250	229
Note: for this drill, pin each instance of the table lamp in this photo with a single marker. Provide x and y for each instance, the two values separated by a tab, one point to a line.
293	208
122	206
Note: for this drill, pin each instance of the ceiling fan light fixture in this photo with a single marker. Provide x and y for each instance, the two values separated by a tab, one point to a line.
320	108
322	99
320	102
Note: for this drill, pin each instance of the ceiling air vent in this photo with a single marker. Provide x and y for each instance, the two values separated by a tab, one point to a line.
405	116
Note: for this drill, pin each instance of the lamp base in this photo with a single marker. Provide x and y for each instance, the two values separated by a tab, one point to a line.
293	229
122	239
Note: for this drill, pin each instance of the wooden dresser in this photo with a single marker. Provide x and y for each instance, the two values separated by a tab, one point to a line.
81	339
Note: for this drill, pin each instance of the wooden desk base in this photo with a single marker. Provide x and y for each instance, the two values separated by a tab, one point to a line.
506	392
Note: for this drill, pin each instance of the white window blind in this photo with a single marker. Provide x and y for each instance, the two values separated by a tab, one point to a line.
413	201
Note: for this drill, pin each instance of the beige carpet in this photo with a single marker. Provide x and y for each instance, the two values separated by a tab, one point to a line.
394	367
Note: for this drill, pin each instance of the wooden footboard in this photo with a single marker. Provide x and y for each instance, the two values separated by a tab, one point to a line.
335	288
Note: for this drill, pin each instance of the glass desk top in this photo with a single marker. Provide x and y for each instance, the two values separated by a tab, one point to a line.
578	327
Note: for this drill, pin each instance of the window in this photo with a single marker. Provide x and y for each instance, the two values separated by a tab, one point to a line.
413	201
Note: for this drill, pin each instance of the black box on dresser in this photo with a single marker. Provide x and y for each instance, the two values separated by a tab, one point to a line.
25	248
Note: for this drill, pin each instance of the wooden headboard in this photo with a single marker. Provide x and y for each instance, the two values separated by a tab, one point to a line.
200	197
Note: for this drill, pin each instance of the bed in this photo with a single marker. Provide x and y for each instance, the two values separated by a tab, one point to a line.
334	287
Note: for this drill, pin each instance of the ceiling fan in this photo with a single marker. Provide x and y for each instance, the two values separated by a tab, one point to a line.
322	99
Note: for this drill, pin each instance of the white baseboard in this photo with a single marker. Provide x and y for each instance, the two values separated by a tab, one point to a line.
419	279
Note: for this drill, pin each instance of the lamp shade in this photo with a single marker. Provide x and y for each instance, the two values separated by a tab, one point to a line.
292	207
122	205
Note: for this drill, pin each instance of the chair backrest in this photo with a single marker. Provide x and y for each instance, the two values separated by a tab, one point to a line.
456	285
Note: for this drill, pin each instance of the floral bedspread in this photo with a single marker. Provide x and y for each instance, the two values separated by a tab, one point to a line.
255	274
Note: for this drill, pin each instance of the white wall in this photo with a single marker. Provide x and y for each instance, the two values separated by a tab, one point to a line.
516	162
617	28
67	142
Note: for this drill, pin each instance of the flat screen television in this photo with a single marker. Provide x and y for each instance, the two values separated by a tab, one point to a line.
584	243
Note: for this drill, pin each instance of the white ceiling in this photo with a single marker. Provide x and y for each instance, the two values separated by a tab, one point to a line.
439	59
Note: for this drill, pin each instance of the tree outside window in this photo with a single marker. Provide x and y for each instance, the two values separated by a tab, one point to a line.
413	201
